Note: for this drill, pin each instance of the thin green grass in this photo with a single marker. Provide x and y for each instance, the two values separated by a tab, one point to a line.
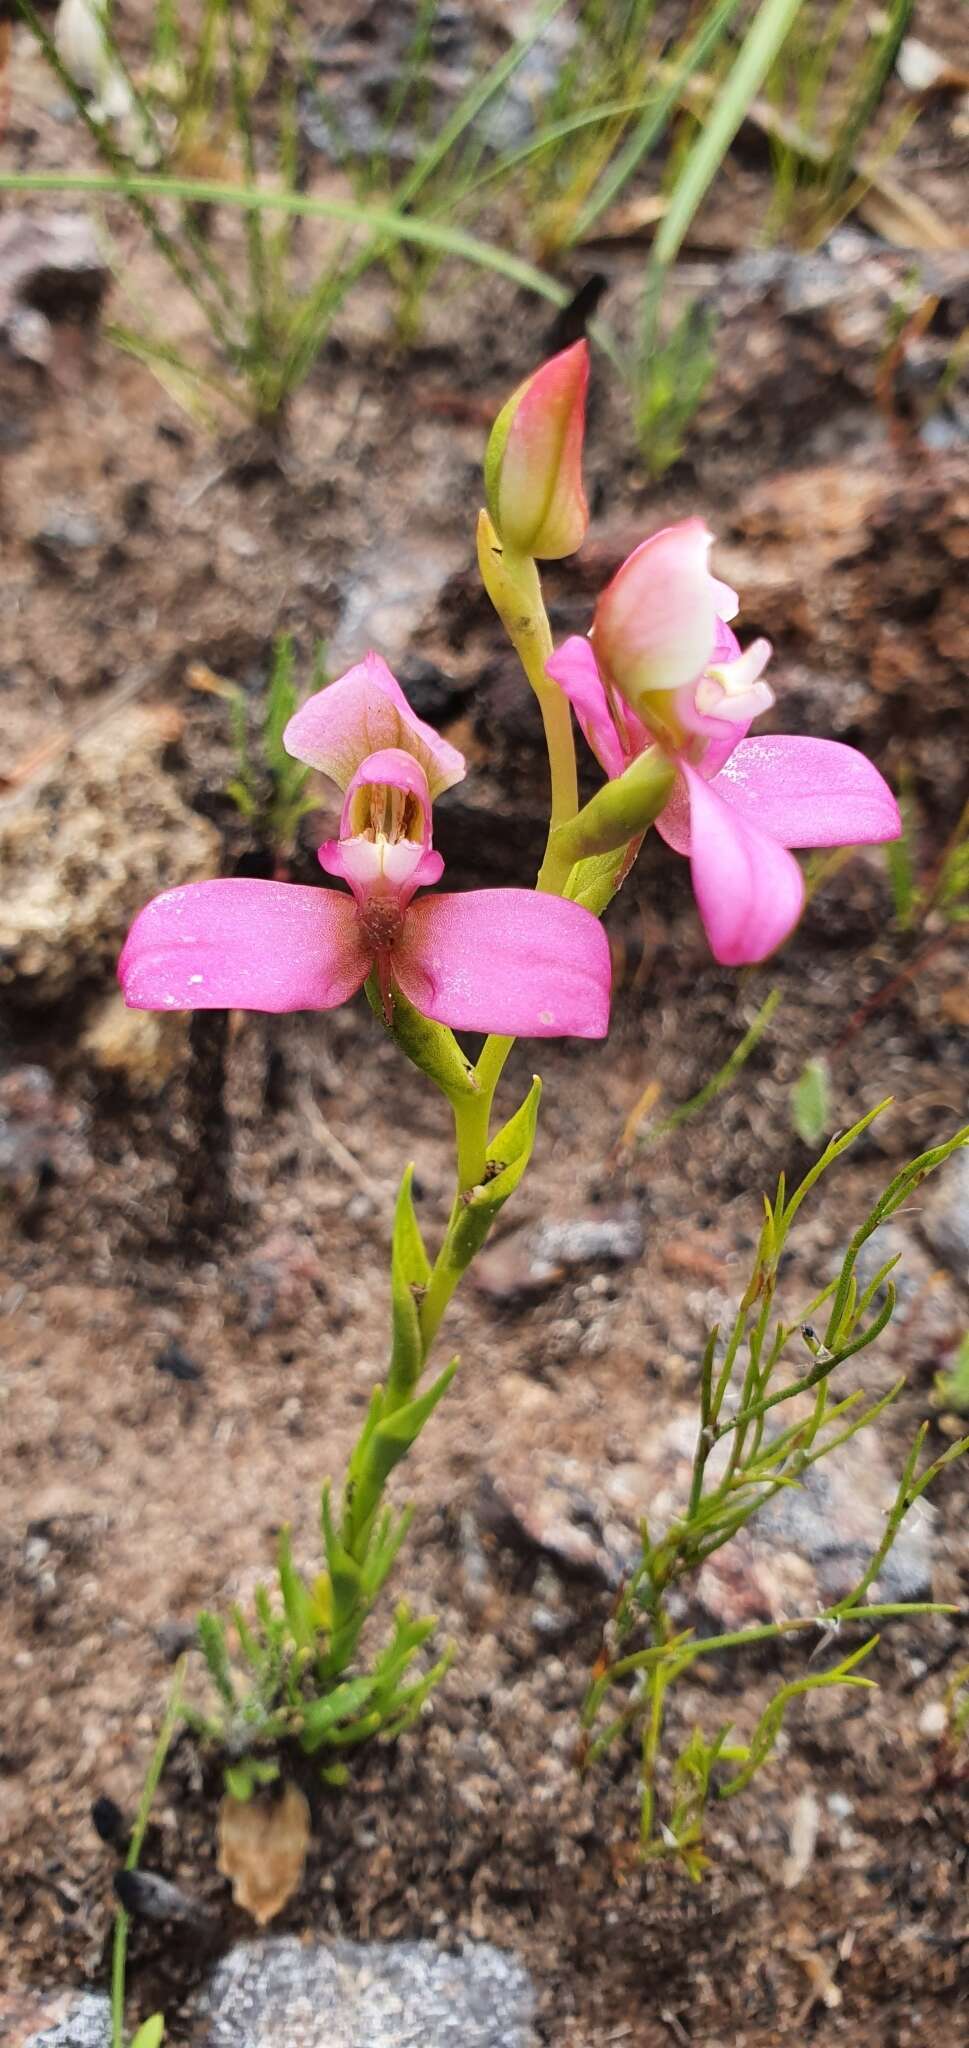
220	112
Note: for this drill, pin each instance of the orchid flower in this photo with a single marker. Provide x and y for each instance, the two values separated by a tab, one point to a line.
662	666
501	960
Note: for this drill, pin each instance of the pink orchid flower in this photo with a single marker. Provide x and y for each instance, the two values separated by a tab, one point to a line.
503	960
662	665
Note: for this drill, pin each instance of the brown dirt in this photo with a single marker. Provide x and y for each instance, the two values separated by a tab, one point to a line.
132	1498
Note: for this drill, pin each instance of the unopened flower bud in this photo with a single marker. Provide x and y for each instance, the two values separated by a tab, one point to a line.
533	465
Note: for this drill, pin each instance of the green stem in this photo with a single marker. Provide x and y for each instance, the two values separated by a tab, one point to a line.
472	1115
122	1921
739	1639
440	1287
491	1063
512	584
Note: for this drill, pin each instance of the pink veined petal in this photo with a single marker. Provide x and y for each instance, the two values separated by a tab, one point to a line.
806	792
391	769
656	623
361	713
673	823
573	666
244	945
749	890
506	960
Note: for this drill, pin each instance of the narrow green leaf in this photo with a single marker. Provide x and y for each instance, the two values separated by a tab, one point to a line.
211	1634
346	1576
390	1442
713	27
379	221
321	1716
296	1597
151	2033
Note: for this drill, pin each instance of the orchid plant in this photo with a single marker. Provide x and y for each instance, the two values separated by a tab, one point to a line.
665	696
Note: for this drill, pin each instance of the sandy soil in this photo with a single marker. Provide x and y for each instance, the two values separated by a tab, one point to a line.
132	1496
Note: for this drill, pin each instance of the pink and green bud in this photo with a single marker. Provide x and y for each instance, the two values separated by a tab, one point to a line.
533	466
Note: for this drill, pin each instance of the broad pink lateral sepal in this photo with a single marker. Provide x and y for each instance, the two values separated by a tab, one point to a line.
243	945
506	960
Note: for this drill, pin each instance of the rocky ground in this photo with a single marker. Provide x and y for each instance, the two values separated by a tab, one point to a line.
192	1301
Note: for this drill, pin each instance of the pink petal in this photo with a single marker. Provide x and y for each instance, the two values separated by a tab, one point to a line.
506	960
726	600
244	945
573	667
655	624
808	792
363	712
726	646
365	805
749	890
673	823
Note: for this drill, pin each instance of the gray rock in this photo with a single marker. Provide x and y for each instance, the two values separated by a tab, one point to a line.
835	1519
945	1214
87	2025
390	590
344	1994
803	1550
51	268
530	1262
552	1508
597	1240
409	1994
65	529
42	1133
